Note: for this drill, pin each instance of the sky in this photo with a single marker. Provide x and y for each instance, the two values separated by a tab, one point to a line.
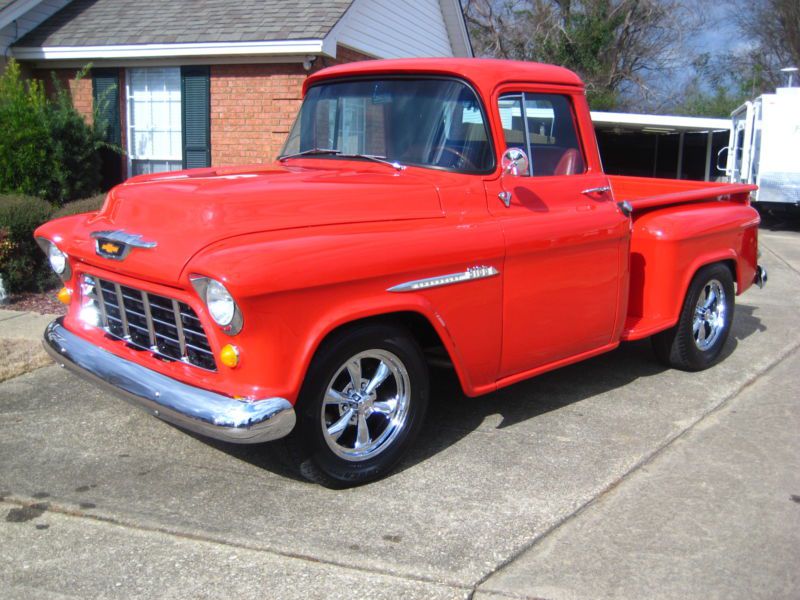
719	34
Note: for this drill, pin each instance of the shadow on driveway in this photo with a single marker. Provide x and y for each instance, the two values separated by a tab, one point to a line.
452	415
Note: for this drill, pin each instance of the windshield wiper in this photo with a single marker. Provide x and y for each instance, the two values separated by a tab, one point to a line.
310	151
381	159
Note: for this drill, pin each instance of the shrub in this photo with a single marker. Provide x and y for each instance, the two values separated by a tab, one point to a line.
22	263
46	148
25	143
76	151
92	204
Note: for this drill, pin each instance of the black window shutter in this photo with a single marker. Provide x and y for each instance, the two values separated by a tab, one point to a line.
105	98
195	104
105	95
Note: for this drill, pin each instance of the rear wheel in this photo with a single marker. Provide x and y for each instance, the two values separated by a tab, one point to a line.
696	342
362	406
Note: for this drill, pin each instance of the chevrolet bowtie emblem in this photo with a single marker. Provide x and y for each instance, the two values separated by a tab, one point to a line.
118	244
110	248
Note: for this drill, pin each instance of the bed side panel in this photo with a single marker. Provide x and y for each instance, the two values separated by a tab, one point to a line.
669	245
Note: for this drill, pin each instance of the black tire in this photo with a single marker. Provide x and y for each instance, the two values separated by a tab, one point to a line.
333	463
692	348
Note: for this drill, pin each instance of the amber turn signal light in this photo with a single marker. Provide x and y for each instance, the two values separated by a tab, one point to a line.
229	355
64	295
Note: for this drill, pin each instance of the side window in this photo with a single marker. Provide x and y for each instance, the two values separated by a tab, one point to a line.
546	132
514	132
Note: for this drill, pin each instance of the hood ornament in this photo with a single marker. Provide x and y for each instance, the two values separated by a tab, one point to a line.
118	244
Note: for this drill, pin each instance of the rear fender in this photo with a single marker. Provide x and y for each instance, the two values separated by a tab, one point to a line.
670	245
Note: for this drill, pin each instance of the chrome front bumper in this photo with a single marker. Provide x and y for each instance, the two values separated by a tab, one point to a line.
193	408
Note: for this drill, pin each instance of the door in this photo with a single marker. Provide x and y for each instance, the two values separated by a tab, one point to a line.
566	245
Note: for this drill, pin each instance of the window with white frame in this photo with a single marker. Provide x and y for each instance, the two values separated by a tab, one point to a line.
155	143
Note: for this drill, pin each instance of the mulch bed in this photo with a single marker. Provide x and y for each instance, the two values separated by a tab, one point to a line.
44	303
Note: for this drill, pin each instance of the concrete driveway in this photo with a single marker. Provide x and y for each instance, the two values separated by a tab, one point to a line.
611	478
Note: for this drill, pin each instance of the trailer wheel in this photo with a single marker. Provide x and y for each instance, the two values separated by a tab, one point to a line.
362	406
696	342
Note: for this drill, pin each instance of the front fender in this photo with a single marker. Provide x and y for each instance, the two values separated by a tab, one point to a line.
295	287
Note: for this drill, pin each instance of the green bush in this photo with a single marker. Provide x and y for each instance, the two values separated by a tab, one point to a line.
46	148
22	263
80	206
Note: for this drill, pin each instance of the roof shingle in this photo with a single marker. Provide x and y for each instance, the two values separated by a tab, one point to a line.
119	22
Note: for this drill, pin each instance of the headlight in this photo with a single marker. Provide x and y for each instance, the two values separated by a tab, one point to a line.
58	260
221	305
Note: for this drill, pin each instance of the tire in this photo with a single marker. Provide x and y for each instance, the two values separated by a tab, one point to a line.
696	342
346	436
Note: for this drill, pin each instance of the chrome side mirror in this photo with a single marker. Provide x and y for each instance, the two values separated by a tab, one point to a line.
515	162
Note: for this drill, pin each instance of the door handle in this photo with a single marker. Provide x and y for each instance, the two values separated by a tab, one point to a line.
597	190
505	197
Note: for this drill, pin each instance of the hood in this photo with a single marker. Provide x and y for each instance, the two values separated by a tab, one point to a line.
181	213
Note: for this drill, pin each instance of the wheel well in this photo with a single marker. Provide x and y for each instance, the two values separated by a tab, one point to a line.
731	264
416	324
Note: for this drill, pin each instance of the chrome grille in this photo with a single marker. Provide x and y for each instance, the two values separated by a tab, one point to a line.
166	327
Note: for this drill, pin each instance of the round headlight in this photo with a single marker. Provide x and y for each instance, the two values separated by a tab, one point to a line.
220	303
58	260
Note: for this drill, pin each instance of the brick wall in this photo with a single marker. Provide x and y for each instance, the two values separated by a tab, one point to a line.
253	107
80	90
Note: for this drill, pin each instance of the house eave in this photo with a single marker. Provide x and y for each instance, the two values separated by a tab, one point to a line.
187	50
14	11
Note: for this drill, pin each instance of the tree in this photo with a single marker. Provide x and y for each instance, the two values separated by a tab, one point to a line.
774	28
768	40
717	85
614	45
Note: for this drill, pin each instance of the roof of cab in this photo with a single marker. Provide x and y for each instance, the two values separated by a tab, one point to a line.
484	73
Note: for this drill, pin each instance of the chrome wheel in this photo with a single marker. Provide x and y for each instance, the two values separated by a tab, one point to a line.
709	315
366	405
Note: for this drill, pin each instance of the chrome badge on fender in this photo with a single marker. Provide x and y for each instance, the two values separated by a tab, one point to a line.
118	244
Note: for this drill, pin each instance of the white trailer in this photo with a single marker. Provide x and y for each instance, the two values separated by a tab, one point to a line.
764	148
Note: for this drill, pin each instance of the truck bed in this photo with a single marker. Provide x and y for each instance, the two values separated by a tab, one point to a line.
649	192
678	226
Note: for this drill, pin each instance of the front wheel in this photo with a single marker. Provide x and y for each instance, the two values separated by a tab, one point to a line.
696	342
362	406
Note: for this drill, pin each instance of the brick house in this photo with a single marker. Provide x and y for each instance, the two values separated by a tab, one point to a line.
192	83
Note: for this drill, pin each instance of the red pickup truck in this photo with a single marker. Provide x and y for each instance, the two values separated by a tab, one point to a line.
434	208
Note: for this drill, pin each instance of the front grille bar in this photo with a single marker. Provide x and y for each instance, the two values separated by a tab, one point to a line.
101	301
150	322
148	315
122	316
176	310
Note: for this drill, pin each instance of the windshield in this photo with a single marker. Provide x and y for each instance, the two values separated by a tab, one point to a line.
426	122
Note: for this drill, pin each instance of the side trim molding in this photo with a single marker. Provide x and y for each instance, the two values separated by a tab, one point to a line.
470	274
